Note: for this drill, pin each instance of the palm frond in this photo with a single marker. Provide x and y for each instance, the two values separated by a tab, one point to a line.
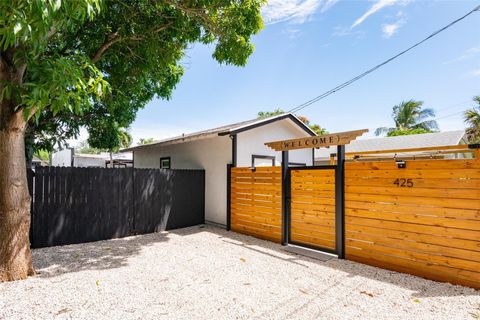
429	125
383	130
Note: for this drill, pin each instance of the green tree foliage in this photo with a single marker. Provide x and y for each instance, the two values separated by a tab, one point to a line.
130	49
43	155
315	127
143	141
85	148
268	114
472	119
120	139
407	132
410	118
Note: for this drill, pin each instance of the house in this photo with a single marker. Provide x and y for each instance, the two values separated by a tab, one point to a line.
426	140
69	158
38	162
240	144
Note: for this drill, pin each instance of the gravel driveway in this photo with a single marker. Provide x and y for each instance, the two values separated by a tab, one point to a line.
208	273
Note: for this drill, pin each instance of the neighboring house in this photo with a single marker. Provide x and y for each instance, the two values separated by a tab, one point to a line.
68	158
240	144
38	162
426	140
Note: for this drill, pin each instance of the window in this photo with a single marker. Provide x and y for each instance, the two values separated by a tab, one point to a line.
262	161
165	163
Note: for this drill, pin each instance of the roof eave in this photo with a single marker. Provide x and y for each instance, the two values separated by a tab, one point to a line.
268	121
170	142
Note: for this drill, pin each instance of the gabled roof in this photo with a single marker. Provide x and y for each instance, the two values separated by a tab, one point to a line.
230	129
436	139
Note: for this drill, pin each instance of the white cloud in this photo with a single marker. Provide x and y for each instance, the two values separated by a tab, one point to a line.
467	54
293	33
328	4
295	11
476	73
390	29
377	6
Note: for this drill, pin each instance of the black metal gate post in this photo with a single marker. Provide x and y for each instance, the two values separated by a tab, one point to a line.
285	202
229	195
340	202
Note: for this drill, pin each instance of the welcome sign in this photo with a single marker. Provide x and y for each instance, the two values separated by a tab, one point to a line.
334	139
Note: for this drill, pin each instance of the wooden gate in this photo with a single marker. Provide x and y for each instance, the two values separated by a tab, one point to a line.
312	207
301	211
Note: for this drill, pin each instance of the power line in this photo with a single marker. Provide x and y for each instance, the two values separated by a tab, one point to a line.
450	115
358	77
454	105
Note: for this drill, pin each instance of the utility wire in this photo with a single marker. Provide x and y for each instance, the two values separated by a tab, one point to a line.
449	115
454	105
347	83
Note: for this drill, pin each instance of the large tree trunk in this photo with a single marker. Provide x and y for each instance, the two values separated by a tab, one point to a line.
15	256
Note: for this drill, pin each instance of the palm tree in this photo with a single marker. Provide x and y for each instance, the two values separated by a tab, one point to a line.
143	141
125	139
410	118
472	118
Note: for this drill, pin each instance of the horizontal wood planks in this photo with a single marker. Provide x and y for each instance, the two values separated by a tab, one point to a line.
256	202
423	219
312	211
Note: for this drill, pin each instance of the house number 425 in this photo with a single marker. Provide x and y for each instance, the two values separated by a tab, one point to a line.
403	183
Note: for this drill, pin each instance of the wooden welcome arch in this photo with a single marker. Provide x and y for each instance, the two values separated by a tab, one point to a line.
336	245
333	139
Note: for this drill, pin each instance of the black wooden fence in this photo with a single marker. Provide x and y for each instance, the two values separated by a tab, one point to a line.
76	205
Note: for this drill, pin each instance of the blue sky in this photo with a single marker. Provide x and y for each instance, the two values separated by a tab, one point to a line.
309	46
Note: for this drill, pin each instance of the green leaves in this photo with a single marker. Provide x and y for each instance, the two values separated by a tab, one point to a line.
472	119
30	23
62	82
95	63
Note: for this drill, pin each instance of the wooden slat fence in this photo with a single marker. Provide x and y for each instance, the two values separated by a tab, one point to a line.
256	202
76	205
423	219
312	213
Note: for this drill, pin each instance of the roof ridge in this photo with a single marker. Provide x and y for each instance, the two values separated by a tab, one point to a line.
225	130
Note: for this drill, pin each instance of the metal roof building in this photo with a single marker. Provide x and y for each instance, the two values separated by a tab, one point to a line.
426	140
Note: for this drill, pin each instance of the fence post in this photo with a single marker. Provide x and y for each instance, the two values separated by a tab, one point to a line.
285	202
229	195
340	202
134	203
31	184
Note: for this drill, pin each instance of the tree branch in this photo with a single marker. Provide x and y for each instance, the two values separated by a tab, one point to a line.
109	41
114	38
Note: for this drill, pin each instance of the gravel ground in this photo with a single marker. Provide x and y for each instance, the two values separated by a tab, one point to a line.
208	273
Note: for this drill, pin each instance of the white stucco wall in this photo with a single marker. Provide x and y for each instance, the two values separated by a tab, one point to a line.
211	154
252	142
62	158
86	161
